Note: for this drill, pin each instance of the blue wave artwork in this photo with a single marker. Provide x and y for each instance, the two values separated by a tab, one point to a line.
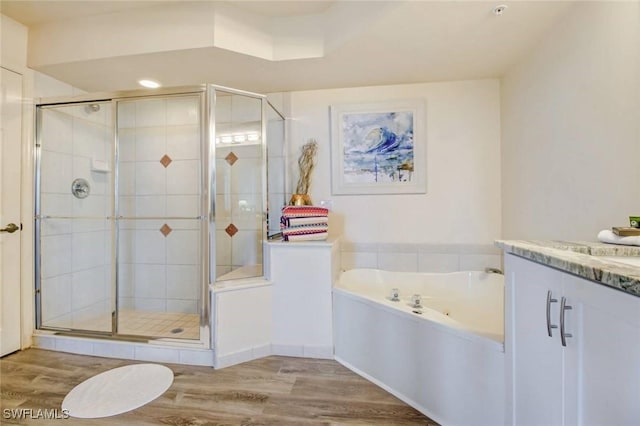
378	147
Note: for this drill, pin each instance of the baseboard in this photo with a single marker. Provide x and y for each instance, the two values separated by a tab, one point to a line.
125	350
299	351
239	357
303	351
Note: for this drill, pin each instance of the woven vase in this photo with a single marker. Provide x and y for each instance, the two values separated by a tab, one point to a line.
300	200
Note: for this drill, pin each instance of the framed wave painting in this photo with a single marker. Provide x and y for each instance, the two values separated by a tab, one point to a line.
378	148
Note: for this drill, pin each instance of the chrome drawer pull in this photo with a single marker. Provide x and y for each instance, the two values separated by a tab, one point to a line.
550	300
564	307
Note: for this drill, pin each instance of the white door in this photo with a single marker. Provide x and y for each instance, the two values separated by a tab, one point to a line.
537	369
10	143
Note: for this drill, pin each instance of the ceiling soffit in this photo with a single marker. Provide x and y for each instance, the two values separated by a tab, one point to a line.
189	25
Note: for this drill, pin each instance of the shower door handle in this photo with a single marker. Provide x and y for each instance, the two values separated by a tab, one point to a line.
11	228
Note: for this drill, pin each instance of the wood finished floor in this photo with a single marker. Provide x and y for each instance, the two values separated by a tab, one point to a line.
269	391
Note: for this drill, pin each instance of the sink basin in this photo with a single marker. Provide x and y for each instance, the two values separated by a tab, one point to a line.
627	260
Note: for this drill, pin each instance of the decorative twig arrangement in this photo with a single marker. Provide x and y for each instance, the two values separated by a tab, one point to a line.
306	164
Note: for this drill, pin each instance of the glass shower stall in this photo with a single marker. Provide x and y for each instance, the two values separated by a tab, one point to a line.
144	199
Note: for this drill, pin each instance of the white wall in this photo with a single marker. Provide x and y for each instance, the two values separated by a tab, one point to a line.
13	45
462	203
571	127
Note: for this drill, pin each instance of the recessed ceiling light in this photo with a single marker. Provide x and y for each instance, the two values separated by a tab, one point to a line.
499	10
151	84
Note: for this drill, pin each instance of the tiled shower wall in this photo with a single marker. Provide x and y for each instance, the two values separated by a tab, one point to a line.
159	181
75	254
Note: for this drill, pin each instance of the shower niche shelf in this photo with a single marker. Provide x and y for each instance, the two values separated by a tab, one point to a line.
99	166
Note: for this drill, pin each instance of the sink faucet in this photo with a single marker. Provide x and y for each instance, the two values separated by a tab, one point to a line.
493	271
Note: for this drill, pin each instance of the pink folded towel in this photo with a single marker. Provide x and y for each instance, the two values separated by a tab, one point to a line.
304	211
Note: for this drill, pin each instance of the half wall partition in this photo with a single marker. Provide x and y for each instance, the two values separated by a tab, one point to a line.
143	199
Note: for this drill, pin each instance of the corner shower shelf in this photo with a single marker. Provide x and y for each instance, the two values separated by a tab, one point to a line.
99	166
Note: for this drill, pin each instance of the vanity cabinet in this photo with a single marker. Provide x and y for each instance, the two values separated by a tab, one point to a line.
595	378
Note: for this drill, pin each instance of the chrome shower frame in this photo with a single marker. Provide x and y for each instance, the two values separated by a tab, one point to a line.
207	94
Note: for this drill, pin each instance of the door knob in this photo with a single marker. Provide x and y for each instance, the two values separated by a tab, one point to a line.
11	228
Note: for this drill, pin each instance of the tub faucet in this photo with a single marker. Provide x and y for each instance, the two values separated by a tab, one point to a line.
395	294
493	271
417	301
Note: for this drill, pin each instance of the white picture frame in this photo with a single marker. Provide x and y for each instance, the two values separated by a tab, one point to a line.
378	148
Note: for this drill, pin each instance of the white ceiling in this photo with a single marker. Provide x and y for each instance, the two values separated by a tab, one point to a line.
38	12
406	42
285	8
30	12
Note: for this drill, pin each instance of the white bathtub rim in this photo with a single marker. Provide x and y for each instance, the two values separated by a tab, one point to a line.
430	317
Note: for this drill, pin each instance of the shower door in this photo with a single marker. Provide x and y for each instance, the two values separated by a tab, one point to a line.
240	186
120	216
160	220
74	264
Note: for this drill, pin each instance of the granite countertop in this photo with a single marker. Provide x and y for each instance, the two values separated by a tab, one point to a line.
581	258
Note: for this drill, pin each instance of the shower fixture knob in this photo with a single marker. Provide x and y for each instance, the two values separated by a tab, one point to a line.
80	188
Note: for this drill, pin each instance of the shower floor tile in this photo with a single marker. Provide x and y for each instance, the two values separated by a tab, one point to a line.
144	323
159	324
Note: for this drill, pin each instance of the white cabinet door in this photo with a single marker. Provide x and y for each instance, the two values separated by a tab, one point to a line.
603	356
535	370
592	381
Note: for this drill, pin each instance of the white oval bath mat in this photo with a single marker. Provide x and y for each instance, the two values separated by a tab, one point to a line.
117	391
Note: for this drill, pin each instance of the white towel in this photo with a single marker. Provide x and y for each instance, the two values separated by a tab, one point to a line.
607	236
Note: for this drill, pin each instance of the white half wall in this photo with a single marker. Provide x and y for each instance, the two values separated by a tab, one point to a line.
462	202
571	127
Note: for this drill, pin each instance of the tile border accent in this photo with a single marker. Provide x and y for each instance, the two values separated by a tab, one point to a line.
231	158
165	161
231	230
423	257
165	230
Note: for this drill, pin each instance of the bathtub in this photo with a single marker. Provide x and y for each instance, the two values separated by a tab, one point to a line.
445	359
